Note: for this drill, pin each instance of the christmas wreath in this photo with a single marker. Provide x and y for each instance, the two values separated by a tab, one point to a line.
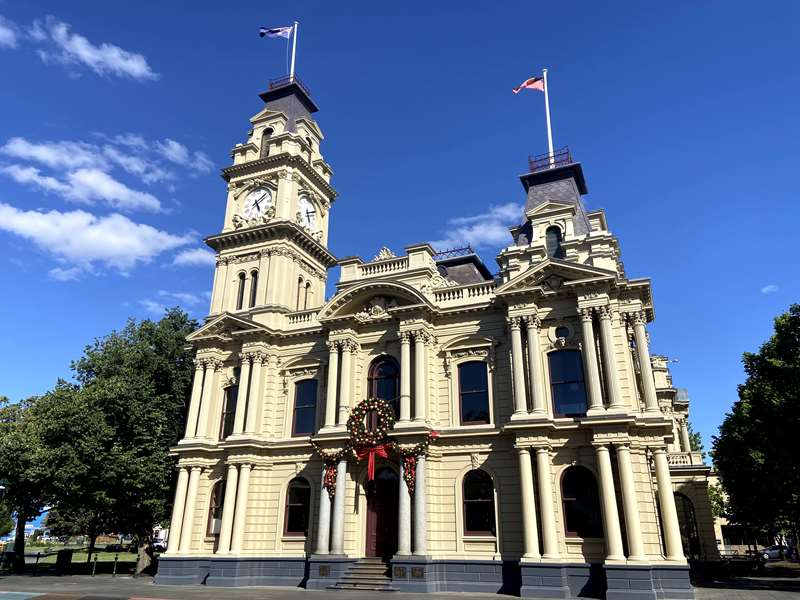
330	459
409	458
360	436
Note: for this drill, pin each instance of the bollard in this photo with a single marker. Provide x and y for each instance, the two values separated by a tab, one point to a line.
114	572
36	564
94	564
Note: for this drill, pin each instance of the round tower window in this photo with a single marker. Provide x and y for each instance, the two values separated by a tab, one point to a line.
562	332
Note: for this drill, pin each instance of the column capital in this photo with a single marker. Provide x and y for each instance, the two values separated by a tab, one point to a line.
532	321
523	449
349	345
404	337
636	317
199	363
601	445
247	356
622	445
604	312
333	345
514	323
542	449
586	313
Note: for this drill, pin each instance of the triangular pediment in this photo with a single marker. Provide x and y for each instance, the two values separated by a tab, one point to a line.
267	114
372	301
550	207
224	328
553	274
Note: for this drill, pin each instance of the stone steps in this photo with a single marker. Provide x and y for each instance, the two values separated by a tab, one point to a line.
368	574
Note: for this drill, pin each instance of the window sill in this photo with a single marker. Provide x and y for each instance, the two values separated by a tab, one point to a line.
577	539
293	538
479	537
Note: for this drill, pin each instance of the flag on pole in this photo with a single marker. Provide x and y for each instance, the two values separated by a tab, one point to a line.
274	32
534	83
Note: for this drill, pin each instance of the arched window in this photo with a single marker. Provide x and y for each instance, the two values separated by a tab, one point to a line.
267	133
566	383
240	291
310	149
581	503
229	409
552	241
215	508
253	287
473	392
384	381
300	293
305	407
306	295
687	523
298	507
478	491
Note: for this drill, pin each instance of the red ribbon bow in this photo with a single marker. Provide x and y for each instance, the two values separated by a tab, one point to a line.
370	453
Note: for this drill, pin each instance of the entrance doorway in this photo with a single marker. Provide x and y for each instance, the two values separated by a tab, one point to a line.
382	514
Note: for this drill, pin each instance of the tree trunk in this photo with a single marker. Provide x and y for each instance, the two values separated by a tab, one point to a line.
145	556
19	543
92	542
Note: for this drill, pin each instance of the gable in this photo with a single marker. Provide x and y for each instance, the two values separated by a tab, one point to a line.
372	301
224	327
550	208
553	274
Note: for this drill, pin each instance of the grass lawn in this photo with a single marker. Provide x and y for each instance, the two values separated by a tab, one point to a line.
102	557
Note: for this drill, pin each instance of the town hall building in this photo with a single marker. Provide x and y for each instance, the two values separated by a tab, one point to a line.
432	426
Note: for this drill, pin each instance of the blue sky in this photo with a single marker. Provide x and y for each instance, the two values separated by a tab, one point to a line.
117	118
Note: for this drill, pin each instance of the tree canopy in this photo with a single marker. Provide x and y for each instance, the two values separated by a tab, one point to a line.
754	452
98	450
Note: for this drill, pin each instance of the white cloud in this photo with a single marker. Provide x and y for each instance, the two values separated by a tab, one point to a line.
32	175
180	154
195	257
769	289
486	230
182	297
145	170
70	274
84	241
70	155
153	307
71	49
8	33
88	185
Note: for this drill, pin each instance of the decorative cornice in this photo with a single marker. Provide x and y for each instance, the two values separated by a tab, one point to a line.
276	160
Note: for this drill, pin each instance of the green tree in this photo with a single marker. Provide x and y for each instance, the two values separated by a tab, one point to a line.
754	452
139	380
718	501
6	522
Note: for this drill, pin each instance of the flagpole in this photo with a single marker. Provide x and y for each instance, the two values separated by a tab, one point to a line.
547	114
294	51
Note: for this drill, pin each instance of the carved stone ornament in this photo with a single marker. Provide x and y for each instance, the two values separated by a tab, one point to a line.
476	460
376	308
484	353
384	254
246	185
554	282
239	222
232	380
300	372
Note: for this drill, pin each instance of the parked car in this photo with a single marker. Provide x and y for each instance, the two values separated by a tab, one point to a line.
159	545
774	552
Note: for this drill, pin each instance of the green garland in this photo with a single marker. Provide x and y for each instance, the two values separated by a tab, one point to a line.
360	436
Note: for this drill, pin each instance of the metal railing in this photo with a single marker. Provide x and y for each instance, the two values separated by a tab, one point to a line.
453	252
558	158
281	82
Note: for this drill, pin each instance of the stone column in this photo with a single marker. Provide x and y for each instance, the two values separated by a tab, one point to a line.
263	277
405	376
337	530
608	502
254	393
675	446
228	510
344	382
220	283
533	324
188	514
520	399
244	390
177	510
609	358
194	403
630	505
589	352
210	383
324	518
666	501
403	516
241	508
420	375
686	443
530	534
333	374
645	366
420	510
548	512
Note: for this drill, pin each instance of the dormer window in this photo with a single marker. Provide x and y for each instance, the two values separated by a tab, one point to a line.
552	241
265	136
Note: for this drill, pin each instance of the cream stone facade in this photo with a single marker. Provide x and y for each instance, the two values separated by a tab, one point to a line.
561	441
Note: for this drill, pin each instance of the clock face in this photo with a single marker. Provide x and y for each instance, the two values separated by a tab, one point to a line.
308	214
257	202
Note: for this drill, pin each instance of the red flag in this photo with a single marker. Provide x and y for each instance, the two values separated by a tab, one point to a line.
534	83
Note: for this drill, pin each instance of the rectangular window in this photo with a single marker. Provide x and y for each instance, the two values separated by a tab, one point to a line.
229	411
473	391
305	407
566	383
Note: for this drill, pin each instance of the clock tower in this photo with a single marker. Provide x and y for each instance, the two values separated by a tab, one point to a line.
272	255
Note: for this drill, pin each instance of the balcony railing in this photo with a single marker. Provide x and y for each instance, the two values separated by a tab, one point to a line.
281	82
683	459
558	158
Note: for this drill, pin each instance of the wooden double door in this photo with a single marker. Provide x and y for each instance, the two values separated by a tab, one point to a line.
382	496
